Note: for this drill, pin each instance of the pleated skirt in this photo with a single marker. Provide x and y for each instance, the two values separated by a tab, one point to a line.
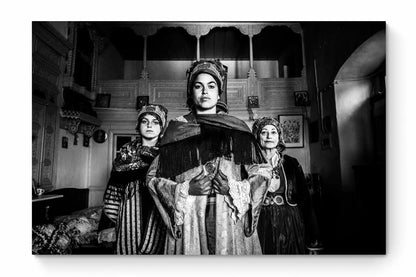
281	230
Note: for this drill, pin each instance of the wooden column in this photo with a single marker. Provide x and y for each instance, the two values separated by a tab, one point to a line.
251	30
198	53
197	30
144	74
303	72
251	72
144	30
250	37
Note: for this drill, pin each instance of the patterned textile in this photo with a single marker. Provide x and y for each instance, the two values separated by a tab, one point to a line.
67	232
235	215
128	203
49	239
287	227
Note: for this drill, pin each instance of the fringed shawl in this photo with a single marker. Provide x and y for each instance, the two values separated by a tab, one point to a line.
204	137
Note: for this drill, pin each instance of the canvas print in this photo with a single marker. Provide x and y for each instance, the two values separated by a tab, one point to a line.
181	165
292	130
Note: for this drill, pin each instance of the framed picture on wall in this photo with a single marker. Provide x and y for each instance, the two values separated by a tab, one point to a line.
302	98
141	101
103	100
292	130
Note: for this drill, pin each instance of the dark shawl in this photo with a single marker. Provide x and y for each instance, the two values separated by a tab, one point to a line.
204	137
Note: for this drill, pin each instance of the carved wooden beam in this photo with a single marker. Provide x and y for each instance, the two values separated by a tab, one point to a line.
199	29
78	122
145	29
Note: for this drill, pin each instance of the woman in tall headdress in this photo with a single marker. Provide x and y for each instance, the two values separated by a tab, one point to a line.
127	202
287	221
210	178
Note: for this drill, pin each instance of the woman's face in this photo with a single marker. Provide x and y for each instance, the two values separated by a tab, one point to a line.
269	137
205	92
149	127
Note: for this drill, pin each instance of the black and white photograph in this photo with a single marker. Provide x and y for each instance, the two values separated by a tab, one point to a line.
174	175
211	138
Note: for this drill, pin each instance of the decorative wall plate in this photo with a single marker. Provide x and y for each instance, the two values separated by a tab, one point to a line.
100	136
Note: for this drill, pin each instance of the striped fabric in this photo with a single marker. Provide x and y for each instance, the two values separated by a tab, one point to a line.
129	223
127	202
136	235
153	241
112	201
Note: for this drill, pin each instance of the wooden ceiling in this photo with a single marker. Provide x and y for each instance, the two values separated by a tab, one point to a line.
224	42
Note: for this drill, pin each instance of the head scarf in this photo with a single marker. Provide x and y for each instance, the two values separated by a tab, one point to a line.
259	124
222	107
159	111
212	67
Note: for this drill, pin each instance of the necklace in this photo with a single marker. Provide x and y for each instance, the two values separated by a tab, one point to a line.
276	162
276	172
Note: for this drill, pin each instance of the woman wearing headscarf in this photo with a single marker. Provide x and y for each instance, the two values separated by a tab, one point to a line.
210	178
287	220
127	202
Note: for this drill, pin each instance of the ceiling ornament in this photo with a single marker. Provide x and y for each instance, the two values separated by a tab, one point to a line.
78	122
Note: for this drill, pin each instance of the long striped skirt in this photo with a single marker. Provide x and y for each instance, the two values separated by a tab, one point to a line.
139	226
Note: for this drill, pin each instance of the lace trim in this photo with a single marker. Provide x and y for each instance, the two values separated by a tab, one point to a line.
265	171
240	194
233	208
181	194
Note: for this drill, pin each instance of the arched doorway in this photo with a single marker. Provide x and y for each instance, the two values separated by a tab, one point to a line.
360	113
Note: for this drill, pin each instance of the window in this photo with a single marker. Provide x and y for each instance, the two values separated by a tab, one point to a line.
120	140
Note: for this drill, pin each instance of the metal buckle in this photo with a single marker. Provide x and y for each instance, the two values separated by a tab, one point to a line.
266	201
278	200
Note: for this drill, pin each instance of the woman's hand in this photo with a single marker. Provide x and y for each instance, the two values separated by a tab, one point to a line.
200	184
220	183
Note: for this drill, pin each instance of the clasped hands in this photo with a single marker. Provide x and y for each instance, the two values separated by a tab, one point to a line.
203	184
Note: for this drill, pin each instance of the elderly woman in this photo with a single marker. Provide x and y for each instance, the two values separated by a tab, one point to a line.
211	177
287	208
127	202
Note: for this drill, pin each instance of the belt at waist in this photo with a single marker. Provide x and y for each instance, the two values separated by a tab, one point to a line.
274	200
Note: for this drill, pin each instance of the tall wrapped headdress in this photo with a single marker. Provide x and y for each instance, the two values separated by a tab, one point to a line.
212	67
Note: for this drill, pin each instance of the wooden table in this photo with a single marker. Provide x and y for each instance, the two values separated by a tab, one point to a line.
41	207
46	197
